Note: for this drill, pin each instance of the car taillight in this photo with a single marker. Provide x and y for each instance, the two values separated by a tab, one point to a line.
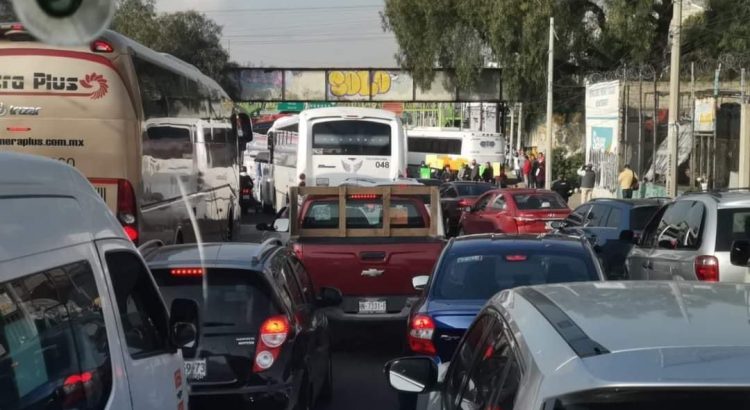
707	268
273	334
245	191
74	388
101	46
463	203
297	248
421	329
126	209
525	220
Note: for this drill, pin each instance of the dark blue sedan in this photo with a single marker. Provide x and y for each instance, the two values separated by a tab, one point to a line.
473	268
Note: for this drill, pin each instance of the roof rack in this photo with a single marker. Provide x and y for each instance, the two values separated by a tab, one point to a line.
573	335
149	246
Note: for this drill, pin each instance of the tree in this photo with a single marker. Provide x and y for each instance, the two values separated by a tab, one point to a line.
721	29
464	35
137	19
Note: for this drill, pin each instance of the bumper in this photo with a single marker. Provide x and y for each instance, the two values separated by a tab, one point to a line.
347	312
263	397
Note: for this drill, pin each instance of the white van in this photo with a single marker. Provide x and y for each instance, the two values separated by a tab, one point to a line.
82	324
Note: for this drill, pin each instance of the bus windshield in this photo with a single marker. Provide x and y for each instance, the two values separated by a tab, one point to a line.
351	138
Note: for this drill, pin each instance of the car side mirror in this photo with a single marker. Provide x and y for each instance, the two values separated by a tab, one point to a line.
627	236
412	374
740	253
263	227
329	297
242	127
281	225
557	224
420	282
184	322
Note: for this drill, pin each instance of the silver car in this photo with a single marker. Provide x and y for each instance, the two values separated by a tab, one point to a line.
691	239
605	345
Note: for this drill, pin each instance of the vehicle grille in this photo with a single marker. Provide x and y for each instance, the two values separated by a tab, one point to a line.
102	192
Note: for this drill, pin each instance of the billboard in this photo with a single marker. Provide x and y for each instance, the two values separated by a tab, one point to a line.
362	85
603	124
705	115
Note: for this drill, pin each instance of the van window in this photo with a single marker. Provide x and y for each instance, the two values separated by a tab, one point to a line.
681	226
732	225
142	312
54	352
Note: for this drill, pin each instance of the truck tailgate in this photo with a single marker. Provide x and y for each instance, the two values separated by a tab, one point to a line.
369	268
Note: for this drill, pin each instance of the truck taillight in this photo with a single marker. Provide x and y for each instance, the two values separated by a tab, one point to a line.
127	212
707	268
421	329
273	334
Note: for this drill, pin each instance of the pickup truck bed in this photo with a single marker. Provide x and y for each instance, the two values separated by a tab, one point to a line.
373	270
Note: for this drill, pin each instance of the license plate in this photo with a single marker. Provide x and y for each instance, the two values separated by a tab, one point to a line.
195	369
372	306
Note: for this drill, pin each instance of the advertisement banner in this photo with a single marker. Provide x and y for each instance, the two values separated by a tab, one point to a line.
603	124
705	115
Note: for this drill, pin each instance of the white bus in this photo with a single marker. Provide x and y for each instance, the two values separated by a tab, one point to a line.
455	144
135	122
334	146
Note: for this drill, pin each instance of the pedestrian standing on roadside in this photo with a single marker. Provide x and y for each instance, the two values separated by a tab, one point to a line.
447	175
464	172
527	170
628	181
534	168
474	176
539	174
488	173
562	187
588	179
518	164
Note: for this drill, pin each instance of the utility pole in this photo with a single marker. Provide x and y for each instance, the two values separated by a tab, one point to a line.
520	126
692	126
674	100
550	82
639	167
512	127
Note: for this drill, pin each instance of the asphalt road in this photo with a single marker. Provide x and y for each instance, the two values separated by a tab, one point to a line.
358	380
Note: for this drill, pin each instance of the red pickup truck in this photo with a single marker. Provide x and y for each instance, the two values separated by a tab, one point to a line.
371	251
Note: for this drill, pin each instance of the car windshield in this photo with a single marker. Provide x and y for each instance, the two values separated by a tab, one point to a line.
473	189
640	216
732	225
236	299
479	275
539	201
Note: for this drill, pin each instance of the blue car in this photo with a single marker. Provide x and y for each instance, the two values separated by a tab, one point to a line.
473	268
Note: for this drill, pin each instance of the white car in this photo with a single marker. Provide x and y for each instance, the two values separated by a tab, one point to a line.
82	324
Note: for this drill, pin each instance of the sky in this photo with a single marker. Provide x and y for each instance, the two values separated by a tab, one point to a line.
299	33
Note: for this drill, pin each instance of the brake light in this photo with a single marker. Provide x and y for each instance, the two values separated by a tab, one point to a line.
18	129
421	330
273	333
463	203
363	196
17	27
515	258
74	388
78	378
186	272
126	209
101	46
707	268
245	191
297	248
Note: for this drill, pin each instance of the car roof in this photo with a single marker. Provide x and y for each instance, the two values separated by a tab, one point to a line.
84	218
313	113
249	256
552	241
647	333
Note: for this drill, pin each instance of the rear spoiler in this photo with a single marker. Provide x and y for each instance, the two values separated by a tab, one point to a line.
386	192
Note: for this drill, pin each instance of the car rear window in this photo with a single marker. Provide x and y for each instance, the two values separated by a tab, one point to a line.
732	225
536	201
362	214
473	189
236	299
479	275
640	216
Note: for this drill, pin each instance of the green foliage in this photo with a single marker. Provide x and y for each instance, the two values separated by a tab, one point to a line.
464	35
189	36
722	29
563	163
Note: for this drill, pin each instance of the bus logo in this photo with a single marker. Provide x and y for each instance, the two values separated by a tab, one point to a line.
99	79
351	165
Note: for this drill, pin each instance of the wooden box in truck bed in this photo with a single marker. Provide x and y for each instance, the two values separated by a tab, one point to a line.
434	228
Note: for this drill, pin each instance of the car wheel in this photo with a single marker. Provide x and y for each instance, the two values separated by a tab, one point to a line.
326	392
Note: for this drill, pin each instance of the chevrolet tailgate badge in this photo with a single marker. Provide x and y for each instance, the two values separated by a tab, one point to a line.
372	272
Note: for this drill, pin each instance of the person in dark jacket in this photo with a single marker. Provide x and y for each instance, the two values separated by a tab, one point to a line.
474	171
488	173
588	180
539	174
534	169
562	187
464	173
